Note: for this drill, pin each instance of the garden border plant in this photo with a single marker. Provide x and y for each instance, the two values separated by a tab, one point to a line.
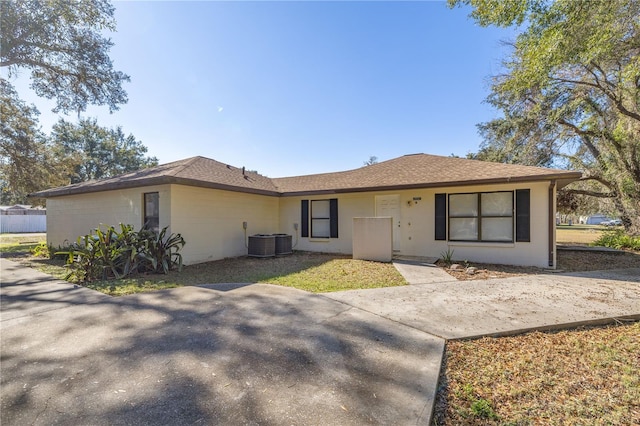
113	253
618	239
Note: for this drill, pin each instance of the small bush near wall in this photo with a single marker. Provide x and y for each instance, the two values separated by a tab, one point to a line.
113	253
618	239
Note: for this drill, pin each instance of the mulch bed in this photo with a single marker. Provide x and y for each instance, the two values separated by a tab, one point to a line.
568	261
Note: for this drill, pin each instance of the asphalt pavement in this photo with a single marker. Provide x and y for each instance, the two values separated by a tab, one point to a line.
224	354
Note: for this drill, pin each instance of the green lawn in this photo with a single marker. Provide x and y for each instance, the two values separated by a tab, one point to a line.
314	272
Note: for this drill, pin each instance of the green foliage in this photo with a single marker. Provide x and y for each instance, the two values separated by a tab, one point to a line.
482	408
98	152
618	239
41	250
113	253
26	164
63	45
479	407
447	256
570	95
161	253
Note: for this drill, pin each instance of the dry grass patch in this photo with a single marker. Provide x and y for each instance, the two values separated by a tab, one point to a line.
578	234
584	376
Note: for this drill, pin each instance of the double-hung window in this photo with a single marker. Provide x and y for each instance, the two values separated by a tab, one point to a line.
481	216
319	218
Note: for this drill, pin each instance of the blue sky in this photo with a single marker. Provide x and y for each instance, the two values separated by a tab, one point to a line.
290	88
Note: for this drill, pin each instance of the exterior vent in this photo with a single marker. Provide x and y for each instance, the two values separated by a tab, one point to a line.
262	245
283	244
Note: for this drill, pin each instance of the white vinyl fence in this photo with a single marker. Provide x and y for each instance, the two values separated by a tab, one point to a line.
23	223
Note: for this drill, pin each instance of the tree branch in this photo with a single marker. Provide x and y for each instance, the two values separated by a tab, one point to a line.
590	193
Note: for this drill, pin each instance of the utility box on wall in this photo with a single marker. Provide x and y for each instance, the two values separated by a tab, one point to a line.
373	238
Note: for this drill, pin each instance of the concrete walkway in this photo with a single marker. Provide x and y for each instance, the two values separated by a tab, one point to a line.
421	271
220	354
454	309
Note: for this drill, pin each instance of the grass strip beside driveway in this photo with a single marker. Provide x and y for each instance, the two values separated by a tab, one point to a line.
582	376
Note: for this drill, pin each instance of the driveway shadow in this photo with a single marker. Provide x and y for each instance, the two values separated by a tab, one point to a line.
248	354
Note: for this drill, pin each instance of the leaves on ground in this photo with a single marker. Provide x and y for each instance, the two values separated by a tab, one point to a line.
583	376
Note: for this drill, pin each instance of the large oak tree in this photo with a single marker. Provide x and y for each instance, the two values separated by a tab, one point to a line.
63	47
570	94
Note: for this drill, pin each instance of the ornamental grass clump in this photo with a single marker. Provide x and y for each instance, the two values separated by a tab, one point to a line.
112	253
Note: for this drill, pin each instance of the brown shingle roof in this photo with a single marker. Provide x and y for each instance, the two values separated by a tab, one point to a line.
409	171
418	171
194	171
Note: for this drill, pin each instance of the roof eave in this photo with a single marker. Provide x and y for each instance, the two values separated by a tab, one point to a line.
566	178
162	180
563	178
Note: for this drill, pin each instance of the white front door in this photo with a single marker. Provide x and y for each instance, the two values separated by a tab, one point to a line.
389	206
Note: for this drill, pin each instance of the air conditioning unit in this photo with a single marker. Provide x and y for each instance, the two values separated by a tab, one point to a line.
283	244
261	245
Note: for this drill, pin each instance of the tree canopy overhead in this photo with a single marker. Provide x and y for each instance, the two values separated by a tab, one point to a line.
61	44
570	94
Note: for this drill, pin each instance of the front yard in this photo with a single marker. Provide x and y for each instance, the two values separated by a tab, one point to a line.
314	272
581	376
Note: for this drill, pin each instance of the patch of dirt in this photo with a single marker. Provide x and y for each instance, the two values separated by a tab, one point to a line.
568	261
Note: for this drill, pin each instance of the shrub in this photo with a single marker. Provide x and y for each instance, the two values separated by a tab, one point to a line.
42	250
616	238
112	253
160	254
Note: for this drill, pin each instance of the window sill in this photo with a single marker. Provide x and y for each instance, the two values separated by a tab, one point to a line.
480	244
319	240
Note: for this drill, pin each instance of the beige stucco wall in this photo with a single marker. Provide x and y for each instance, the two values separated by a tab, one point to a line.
417	225
211	220
71	216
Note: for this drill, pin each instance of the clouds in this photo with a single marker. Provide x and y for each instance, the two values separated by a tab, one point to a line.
220	108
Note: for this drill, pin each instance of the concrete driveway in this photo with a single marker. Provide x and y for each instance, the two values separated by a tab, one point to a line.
466	309
227	354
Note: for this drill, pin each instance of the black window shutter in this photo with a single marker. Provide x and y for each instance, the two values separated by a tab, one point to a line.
523	212
333	217
441	217
304	219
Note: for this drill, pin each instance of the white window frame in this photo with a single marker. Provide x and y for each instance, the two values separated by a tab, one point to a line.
320	217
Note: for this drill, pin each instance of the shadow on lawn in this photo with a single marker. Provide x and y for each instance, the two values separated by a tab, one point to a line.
249	269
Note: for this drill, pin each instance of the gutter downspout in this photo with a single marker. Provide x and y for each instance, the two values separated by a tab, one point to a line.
552	222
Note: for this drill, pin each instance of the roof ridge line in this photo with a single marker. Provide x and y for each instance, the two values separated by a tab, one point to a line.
186	164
